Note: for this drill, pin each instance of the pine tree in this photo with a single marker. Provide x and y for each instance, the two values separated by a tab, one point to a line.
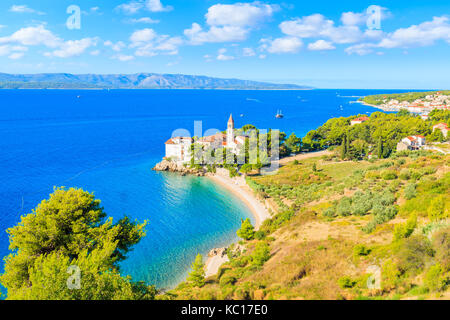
380	148
247	231
344	147
197	274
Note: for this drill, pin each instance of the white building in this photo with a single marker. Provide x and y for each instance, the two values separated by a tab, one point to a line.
179	149
411	143
443	127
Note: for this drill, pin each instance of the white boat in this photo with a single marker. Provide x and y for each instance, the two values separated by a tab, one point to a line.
279	115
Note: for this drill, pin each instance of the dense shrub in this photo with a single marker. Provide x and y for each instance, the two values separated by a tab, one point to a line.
261	254
388	175
435	279
441	243
410	191
405	174
414	253
403	231
346	282
361	250
437	209
227	280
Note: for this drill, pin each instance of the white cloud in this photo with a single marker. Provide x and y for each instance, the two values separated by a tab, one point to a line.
16	55
14	52
141	36
131	7
321	45
353	18
95	53
424	34
222	55
146	20
134	7
118	46
197	35
148	43
249	52
282	45
72	48
24	9
230	22
307	27
360	49
316	25
123	58
33	36
239	14
157	6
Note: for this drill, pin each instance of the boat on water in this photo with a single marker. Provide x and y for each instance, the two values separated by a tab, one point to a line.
279	115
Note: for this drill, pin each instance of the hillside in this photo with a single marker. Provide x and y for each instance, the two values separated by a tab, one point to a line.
338	222
401	97
132	81
344	226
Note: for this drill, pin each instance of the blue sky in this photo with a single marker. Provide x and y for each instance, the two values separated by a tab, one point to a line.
326	44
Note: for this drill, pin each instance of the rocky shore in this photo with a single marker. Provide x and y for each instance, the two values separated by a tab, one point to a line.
171	166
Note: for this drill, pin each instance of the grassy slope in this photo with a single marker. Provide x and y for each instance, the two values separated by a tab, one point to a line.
313	256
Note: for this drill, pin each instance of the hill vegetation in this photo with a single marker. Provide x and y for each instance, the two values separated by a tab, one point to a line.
379	135
409	97
343	230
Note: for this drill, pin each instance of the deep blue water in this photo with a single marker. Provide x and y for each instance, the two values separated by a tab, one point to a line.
107	141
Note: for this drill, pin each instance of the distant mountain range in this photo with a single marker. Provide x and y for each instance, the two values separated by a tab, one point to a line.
132	81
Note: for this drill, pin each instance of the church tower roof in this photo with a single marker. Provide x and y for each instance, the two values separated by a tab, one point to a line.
231	120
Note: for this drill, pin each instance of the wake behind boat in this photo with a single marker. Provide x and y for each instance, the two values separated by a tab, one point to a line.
279	115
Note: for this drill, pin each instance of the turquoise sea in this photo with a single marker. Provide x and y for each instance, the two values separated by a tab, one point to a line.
107	142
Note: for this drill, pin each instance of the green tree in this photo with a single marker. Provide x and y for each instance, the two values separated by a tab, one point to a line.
246	168
293	143
344	149
197	275
437	209
380	148
71	229
247	231
261	254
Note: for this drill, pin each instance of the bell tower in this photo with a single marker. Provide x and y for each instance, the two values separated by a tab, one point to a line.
230	132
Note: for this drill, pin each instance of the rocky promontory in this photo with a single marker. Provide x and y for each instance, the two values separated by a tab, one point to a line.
171	166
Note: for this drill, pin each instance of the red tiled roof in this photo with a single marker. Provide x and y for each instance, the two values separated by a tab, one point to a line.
213	138
361	119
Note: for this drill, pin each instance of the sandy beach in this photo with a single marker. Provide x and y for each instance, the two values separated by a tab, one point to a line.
240	189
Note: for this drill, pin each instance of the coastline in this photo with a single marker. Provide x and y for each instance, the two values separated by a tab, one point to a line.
239	188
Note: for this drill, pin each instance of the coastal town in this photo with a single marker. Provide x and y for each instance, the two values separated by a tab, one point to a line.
423	105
